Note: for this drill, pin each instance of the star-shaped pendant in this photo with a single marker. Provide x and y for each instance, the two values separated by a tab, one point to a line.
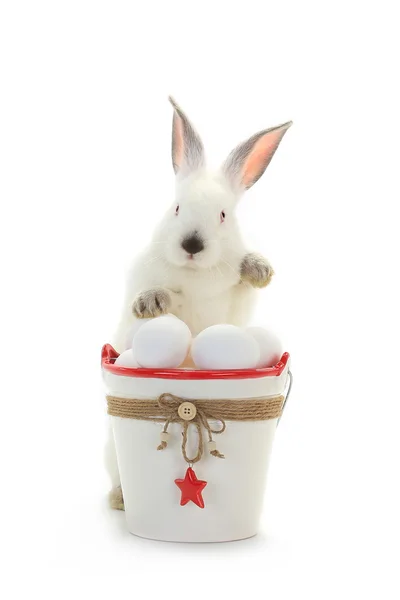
191	488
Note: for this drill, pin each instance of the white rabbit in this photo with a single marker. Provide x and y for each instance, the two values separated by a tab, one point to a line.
196	265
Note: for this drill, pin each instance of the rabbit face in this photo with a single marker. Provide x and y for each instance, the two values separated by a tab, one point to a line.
200	228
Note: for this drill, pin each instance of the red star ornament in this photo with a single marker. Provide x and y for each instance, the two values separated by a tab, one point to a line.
191	488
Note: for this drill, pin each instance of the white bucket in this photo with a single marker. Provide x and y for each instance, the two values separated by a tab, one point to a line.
234	493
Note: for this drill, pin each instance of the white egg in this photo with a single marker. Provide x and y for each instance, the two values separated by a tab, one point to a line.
162	343
137	323
225	347
270	346
134	328
127	359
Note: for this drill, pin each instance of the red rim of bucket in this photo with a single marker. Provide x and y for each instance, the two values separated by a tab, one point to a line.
108	356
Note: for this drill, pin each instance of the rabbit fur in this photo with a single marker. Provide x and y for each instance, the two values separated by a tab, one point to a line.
196	265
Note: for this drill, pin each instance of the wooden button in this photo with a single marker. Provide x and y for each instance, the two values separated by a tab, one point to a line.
187	411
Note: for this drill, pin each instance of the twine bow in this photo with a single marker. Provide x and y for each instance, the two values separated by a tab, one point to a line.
170	405
165	410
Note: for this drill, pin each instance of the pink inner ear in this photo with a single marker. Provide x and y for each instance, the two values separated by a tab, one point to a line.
260	156
178	141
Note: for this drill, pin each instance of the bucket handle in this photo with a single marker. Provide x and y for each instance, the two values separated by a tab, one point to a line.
289	388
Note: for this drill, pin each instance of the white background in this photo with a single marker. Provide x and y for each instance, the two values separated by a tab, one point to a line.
86	173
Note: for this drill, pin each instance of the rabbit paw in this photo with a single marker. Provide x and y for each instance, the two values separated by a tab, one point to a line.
151	303
256	270
116	499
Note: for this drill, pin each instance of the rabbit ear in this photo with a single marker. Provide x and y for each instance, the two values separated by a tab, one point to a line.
187	147
248	161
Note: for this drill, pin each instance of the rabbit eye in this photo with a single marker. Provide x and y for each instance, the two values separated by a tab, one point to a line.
177	209
222	216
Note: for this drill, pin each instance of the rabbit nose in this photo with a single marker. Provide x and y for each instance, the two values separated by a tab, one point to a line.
193	243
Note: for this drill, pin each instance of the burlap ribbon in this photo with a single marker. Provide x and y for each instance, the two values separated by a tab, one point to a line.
165	410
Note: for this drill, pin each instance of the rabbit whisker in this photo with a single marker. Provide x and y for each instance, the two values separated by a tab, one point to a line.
219	270
230	266
152	260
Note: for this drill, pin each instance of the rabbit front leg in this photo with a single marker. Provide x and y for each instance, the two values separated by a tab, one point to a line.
155	302
256	270
151	303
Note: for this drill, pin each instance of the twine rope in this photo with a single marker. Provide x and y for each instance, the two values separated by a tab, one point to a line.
165	410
